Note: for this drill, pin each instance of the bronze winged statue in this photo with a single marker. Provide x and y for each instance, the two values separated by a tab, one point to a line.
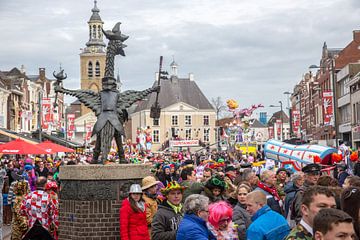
109	105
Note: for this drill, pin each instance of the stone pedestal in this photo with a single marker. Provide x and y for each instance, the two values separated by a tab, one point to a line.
90	199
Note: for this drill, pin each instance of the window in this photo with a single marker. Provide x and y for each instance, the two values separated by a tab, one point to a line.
99	31
94	31
90	69
174	120
187	120
207	135
155	137
188	134
206	120
155	122
97	69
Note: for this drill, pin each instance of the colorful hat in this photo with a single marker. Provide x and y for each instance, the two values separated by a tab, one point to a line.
51	185
216	182
173	185
28	167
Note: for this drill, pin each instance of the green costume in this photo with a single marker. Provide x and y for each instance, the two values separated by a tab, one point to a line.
298	233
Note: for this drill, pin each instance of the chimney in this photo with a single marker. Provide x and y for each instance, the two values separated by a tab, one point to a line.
42	74
191	77
156	76
356	35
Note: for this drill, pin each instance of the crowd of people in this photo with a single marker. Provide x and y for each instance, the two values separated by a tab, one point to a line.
214	196
229	199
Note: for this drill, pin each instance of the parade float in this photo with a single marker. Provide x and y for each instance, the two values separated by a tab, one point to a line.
238	134
298	156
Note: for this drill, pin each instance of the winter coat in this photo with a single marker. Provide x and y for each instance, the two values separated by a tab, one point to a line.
133	224
267	225
165	223
151	208
193	227
242	220
290	190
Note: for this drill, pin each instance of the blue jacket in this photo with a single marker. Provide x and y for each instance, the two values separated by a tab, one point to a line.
267	225
193	227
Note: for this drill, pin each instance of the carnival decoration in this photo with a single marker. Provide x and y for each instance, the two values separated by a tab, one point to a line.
298	155
354	156
239	128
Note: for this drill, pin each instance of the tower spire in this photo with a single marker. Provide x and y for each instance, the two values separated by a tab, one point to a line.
95	43
174	67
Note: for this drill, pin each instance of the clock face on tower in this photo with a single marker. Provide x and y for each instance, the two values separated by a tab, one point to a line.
92	49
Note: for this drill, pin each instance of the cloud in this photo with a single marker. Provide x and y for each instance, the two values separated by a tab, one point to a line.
251	51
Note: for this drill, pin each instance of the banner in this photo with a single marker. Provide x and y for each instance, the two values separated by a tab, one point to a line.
88	132
271	132
184	143
327	107
70	126
278	128
296	121
47	116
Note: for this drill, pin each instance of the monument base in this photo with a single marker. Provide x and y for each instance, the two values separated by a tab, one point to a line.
90	199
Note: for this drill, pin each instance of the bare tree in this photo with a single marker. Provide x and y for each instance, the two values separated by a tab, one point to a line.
219	106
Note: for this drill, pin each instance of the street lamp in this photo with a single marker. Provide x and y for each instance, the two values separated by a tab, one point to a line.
290	111
332	69
281	117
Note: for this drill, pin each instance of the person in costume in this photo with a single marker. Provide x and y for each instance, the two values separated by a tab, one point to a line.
220	221
51	188
167	219
133	225
19	224
215	188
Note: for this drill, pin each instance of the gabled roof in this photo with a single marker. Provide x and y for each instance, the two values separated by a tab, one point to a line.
257	124
177	90
276	116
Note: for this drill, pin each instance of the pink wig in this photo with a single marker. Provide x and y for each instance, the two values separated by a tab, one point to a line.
217	211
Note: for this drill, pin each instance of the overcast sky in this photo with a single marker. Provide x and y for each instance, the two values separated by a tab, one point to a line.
251	51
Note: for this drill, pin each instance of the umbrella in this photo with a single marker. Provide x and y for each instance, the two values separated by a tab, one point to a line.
19	146
53	147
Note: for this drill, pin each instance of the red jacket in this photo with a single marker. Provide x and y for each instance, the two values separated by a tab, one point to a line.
133	225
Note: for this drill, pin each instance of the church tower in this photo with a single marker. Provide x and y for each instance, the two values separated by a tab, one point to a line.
92	57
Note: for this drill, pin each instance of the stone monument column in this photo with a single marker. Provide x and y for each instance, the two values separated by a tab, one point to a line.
91	196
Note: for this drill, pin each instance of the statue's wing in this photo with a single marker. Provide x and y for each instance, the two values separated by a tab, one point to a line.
89	98
127	98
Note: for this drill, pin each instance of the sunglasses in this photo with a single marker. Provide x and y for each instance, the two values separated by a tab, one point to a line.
226	220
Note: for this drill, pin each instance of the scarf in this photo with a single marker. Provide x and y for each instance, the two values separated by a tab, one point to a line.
152	196
272	190
177	209
141	205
